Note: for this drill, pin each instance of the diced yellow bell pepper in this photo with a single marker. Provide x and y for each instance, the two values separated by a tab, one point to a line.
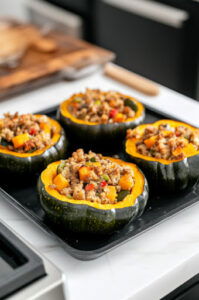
186	142
45	127
84	173
20	140
151	141
126	182
177	151
166	132
189	149
119	117
96	163
112	103
61	182
111	193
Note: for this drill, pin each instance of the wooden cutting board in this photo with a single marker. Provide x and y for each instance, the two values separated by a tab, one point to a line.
35	65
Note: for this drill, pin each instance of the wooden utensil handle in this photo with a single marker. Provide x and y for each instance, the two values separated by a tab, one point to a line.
131	79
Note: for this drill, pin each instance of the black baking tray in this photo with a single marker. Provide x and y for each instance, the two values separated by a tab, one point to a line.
19	265
85	247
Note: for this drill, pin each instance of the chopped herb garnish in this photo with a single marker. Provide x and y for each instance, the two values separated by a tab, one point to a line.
131	104
97	102
122	194
60	167
106	177
92	159
31	150
77	100
5	143
152	151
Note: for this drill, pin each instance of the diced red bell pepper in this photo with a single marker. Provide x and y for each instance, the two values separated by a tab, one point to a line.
112	113
103	183
32	131
75	105
178	133
89	187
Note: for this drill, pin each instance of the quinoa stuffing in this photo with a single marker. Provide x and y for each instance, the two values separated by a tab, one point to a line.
25	133
101	107
165	141
94	178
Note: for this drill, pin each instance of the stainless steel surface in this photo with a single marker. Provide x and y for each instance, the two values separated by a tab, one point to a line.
49	16
49	287
74	73
155	11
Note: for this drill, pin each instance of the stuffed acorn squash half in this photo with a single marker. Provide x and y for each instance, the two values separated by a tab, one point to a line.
168	153
28	143
97	117
89	193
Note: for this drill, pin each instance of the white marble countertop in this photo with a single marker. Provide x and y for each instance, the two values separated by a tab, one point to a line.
147	267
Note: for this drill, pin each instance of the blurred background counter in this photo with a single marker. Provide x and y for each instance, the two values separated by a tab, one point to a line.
157	39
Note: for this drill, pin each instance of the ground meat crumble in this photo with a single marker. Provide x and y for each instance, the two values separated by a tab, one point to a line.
101	107
165	141
25	133
94	178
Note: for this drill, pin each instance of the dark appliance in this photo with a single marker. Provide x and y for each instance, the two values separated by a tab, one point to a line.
187	291
23	273
154	39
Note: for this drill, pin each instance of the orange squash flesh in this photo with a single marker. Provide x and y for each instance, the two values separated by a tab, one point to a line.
111	193
61	182
126	182
65	111
150	142
54	140
50	172
130	145
84	173
20	140
84	216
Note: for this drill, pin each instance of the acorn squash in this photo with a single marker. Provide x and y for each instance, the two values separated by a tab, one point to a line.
23	164
90	217
98	133
165	175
